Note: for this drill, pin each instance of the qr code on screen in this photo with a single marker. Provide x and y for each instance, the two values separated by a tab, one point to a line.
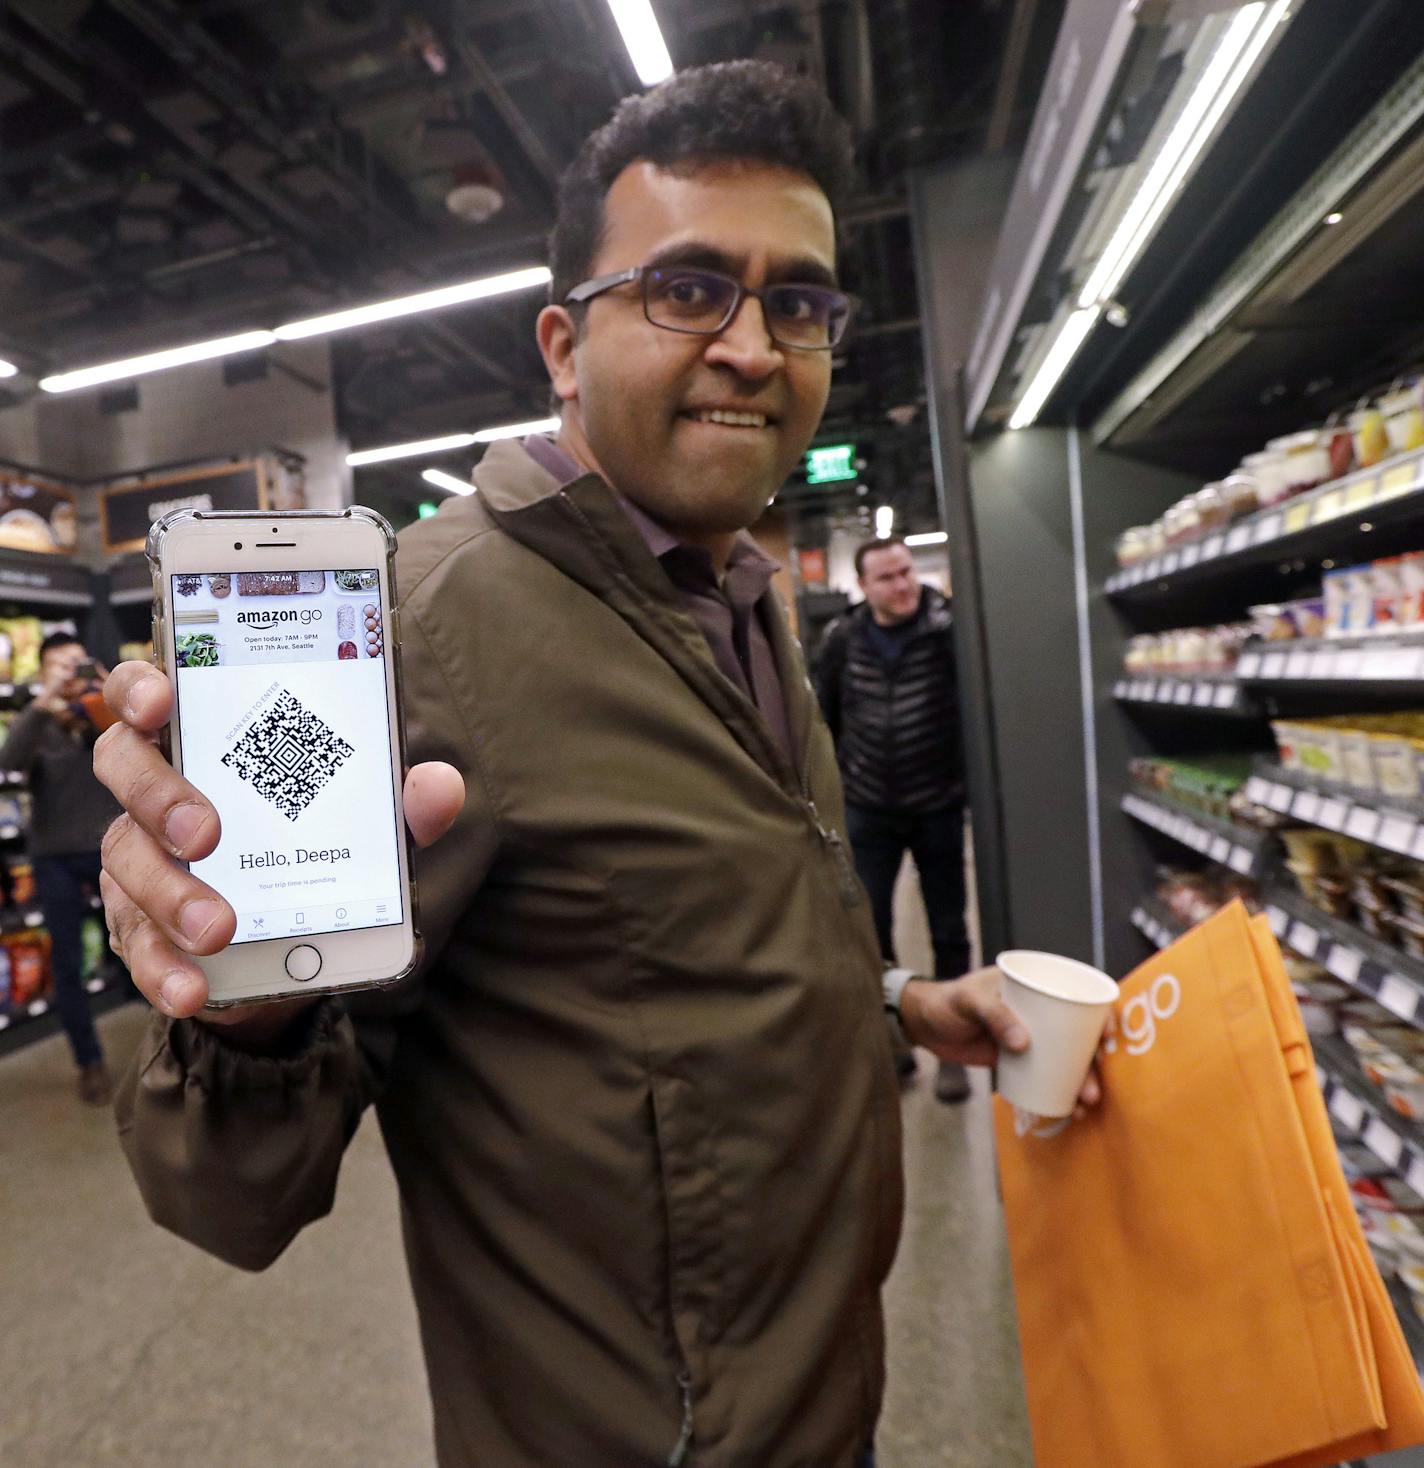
288	755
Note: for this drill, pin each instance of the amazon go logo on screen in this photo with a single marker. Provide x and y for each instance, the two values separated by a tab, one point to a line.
1134	1025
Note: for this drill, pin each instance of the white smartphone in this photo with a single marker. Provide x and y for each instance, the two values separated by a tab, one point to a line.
280	633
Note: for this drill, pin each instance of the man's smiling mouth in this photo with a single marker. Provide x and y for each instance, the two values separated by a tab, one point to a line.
728	418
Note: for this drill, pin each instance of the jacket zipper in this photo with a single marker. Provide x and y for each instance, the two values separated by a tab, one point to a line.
850	892
678	1456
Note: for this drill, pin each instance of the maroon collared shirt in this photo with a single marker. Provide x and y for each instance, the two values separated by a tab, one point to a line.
731	614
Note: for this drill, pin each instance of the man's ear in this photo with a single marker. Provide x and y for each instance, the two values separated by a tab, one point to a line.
558	336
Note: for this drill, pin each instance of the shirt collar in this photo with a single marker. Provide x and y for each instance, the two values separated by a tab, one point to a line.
660	541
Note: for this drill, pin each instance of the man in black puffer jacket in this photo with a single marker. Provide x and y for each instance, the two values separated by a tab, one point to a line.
887	685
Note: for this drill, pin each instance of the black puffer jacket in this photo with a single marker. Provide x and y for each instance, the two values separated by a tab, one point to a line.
897	728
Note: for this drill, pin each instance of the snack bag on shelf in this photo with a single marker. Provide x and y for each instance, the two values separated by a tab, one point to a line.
93	944
29	967
1371	435
1387	578
1411	589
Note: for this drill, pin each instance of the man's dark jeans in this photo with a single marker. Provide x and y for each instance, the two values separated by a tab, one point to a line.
879	840
59	886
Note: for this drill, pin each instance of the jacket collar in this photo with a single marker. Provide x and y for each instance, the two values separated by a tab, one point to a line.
582	529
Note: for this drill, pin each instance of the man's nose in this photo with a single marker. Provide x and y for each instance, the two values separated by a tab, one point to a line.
745	343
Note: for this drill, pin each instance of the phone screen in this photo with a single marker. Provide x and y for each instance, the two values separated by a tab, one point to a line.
285	725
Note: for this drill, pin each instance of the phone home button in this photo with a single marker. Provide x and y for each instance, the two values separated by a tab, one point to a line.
303	963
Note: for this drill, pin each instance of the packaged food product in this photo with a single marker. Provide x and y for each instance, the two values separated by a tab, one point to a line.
6	658
29	966
1340	446
1320	752
1307	616
1337	605
1349	601
1272	623
1396	762
1306	459
1371	436
5	995
92	947
1411	589
1403	409
1386	578
1267	470
1287	737
1408	891
1409	934
1355	754
1239	492
1212	507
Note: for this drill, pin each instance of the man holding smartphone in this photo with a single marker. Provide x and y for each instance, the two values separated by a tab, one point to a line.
640	1100
51	743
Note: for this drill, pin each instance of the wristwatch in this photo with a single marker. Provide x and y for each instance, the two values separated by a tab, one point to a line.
893	981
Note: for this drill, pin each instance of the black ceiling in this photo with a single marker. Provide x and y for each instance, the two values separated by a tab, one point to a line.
172	170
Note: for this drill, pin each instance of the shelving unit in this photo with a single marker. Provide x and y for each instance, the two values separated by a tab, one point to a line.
1239	847
1395	824
1198	695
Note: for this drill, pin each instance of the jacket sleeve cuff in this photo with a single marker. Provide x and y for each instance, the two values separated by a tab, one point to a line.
216	1065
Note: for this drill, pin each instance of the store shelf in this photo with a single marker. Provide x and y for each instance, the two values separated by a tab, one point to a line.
38	1019
1310	524
1201	695
1395	824
1393	664
1239	847
1391	978
1361	1112
1155	923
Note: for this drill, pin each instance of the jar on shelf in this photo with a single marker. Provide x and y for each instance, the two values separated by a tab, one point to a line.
1131	546
1307	459
1403	409
1367	425
1267	470
1240	494
1212	507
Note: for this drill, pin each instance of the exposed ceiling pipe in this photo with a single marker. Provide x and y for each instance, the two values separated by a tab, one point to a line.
910	81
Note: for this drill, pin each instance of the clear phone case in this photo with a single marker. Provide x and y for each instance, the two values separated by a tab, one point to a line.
157	536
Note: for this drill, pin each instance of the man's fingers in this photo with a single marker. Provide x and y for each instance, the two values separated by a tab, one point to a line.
169	980
434	795
154	794
188	911
140	695
1004	1025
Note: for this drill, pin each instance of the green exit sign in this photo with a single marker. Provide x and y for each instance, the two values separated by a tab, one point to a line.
426	509
826	465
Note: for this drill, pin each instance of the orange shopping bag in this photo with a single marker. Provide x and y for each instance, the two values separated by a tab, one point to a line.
1193	1289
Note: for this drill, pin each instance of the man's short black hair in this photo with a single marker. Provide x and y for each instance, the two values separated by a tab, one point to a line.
59	639
879	544
732	111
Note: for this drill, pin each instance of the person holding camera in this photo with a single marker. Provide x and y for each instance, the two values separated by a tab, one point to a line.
51	743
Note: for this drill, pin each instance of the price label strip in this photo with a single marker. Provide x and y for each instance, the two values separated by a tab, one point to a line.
1345	963
1304	939
1212	547
1238	539
1384	1142
1363	823
1347	1108
1333	813
1298	517
1306	806
1248	664
1399	997
1361	493
1268	529
1328	506
1399	480
1225	696
1398	832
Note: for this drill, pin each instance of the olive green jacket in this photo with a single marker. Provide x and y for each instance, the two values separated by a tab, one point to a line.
640	1102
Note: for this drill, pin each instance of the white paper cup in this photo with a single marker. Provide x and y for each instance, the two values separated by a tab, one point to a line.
1064	1006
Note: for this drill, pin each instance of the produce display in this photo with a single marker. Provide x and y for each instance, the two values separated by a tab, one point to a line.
1392	423
1377	754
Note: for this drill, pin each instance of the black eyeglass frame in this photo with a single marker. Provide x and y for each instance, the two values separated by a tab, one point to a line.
586	290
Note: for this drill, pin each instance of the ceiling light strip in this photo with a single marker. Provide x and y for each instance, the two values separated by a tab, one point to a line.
427	446
442	480
1231	63
224	346
436	300
249	341
647	50
930	537
7	369
416	448
1071	336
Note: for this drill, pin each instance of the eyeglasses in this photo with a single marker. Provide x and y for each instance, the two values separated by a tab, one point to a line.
810	318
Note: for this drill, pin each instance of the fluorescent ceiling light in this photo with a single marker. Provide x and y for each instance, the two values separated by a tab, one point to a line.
1055	361
436	300
646	48
1231	62
410	450
517	430
1334	218
7	369
448	481
247	341
930	537
884	521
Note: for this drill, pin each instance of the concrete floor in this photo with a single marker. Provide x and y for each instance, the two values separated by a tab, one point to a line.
122	1347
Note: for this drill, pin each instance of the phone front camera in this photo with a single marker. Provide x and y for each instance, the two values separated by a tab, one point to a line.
237	545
